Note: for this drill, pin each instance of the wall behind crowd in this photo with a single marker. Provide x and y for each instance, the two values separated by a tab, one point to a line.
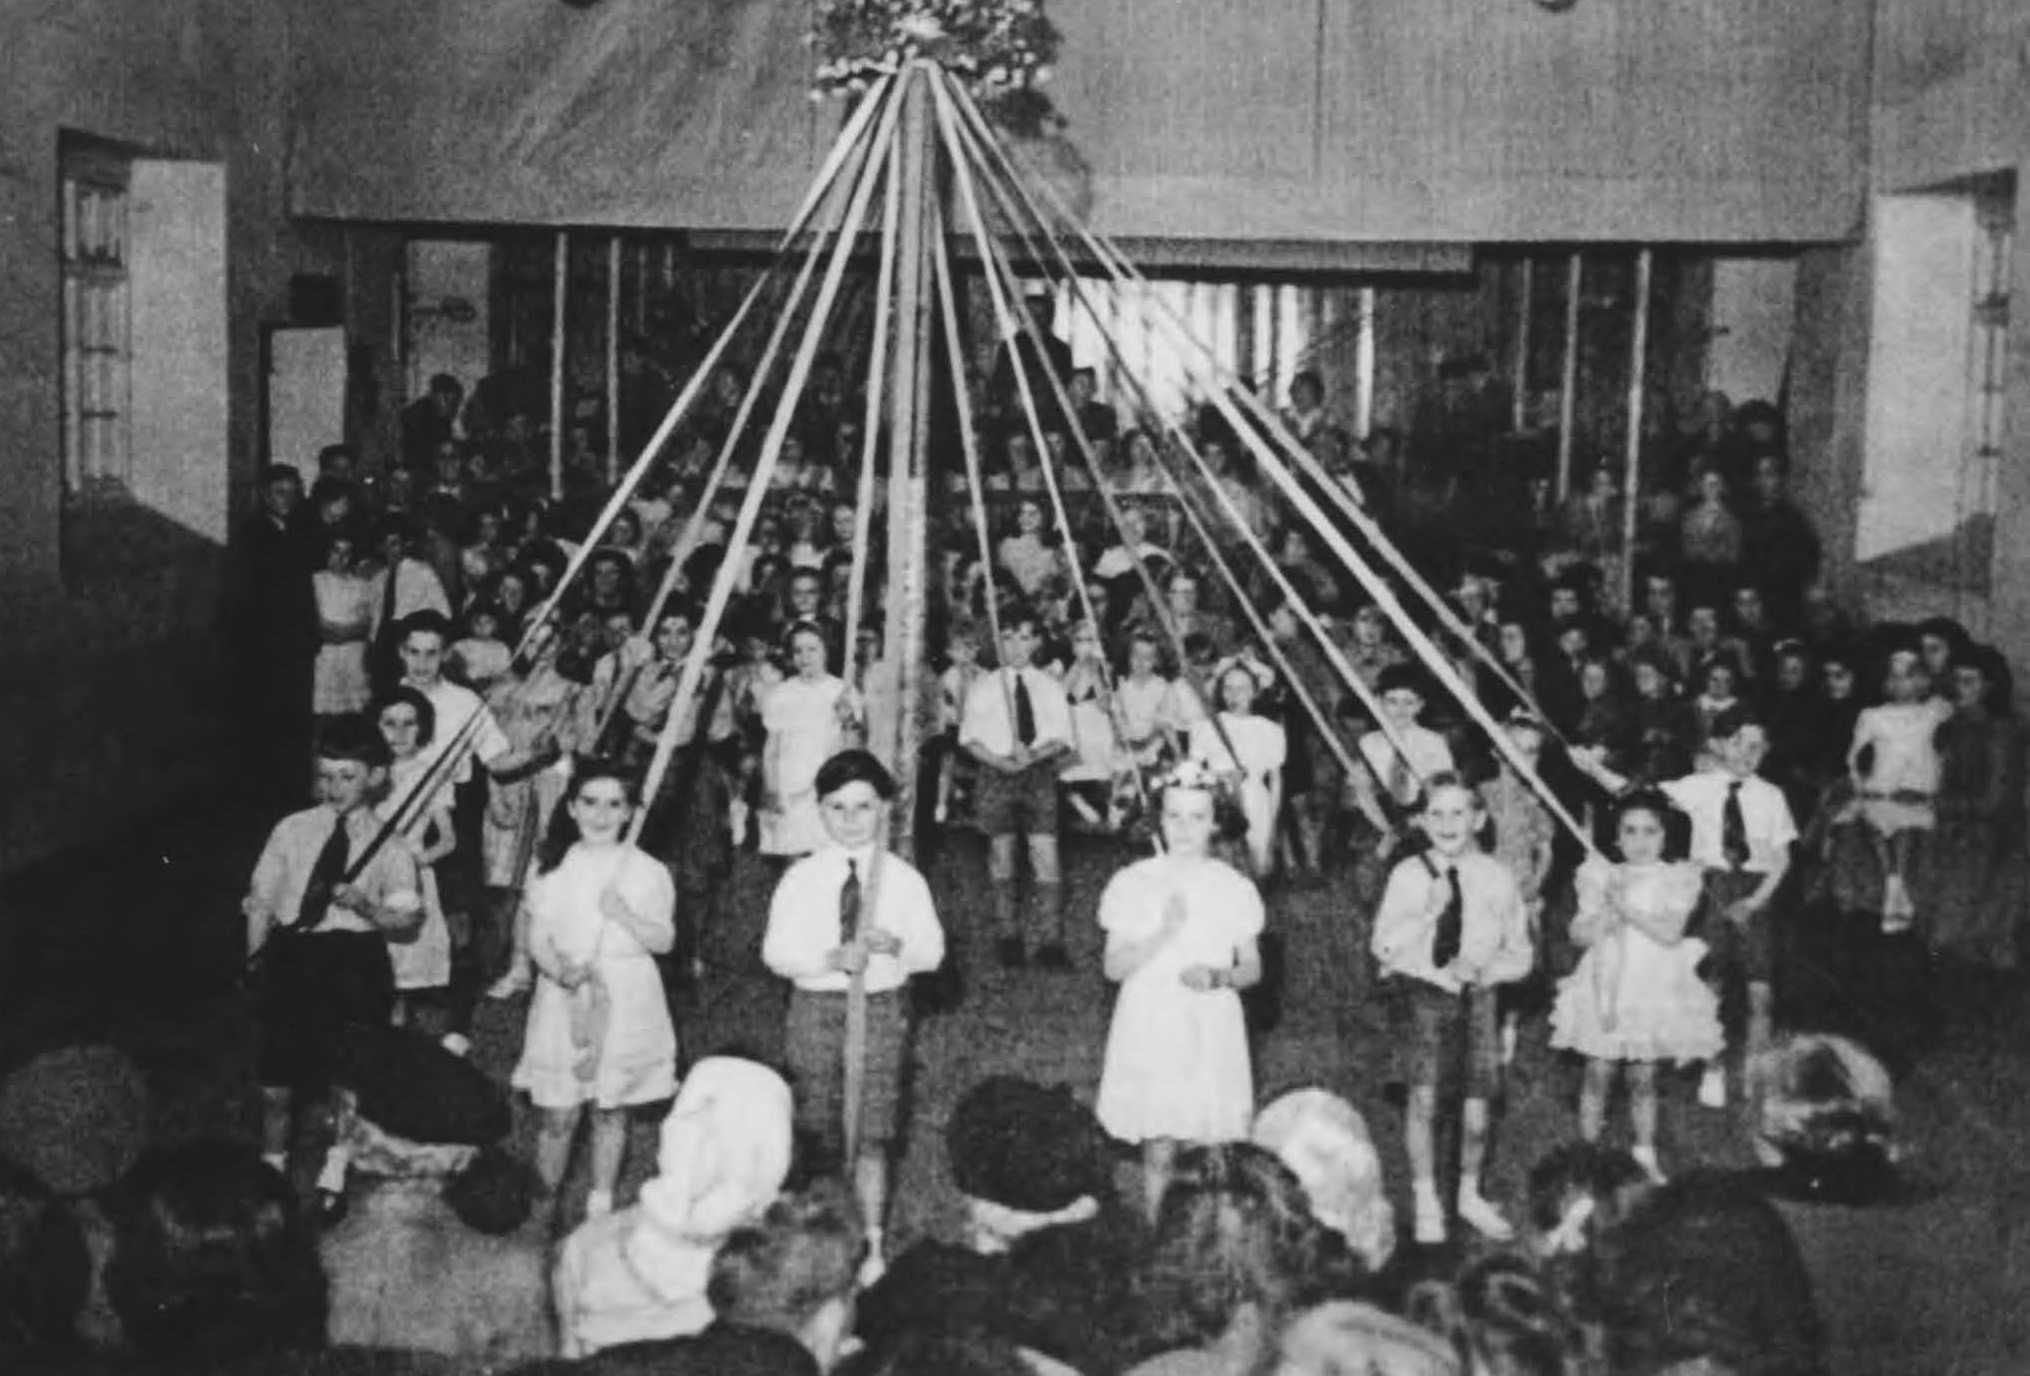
110	683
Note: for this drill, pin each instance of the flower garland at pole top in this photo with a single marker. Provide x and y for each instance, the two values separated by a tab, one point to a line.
1000	50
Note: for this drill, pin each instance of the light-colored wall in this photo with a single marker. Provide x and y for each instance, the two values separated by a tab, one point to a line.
1300	120
1754	310
1918	373
1951	101
109	699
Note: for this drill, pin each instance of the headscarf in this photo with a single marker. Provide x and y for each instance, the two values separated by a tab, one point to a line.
641	1275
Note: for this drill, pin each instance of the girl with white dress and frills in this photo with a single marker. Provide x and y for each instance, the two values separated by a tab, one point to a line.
1636	997
1181	942
599	1031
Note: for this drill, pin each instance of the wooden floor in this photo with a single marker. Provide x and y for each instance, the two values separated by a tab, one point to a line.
136	942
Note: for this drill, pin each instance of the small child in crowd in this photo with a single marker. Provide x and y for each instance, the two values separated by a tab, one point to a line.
1895	770
1636	997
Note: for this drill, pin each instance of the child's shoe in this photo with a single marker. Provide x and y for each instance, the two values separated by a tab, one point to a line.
1713	1086
1897	909
1645	1157
1430	1217
1478	1212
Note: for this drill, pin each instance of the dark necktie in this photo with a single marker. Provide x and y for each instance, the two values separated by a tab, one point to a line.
1734	829
388	595
1025	714
1451	924
849	903
327	872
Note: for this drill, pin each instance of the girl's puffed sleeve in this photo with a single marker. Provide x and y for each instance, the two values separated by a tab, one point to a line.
1125	905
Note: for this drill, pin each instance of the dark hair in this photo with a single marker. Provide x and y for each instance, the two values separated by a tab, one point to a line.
854	767
278	472
444	382
429	620
804	1252
352	737
1734	721
1235	1229
405	696
1501	1318
1401	678
495	1194
1677	826
1705	1267
213	1263
948	1351
562	833
1993	667
45	1267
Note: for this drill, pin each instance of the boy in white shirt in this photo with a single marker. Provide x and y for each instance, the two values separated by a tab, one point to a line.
848	911
1452	927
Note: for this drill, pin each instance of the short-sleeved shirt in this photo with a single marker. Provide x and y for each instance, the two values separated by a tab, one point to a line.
282	875
455	706
1765	816
803	922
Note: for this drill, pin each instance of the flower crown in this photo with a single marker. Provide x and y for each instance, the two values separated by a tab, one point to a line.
1187	774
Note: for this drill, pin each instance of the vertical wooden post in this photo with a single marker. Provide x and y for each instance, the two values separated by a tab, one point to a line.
909	414
1520	386
1568	387
1631	485
559	422
613	359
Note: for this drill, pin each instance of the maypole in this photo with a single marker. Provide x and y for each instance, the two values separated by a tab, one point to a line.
909	412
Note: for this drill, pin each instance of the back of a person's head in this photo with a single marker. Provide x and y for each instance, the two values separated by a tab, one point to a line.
212	1262
1705	1267
1325	1142
1504	1320
45	1270
952	1352
1234	1231
804	1253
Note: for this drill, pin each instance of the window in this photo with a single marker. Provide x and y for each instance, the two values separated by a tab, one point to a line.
97	354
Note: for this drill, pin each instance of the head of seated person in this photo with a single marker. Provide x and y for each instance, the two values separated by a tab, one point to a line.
1499	1319
1236	1252
1705	1271
1325	1142
794	1271
213	1262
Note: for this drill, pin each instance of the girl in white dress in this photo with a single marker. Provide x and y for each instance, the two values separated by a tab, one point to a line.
1248	751
599	1030
1181	942
1154	711
345	613
421	957
1636	997
1897	786
1088	771
807	717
